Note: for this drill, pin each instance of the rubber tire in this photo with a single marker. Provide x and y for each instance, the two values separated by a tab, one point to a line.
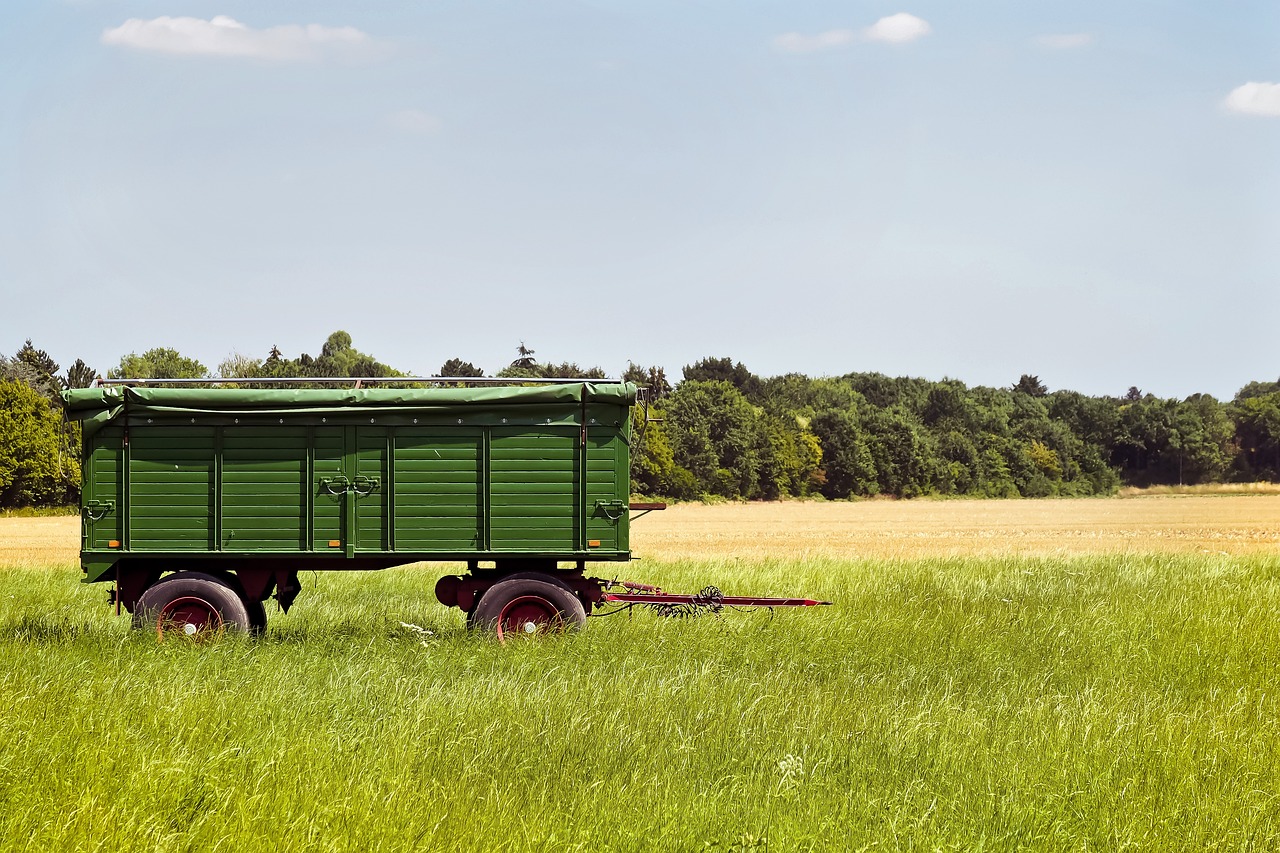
526	575
213	591
498	596
257	609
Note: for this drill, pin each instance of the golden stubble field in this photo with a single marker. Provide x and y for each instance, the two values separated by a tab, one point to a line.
920	529
882	529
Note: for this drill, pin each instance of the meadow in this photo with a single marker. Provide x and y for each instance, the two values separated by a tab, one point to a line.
1039	675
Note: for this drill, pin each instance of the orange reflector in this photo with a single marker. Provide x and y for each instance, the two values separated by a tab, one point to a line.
335	543
593	543
114	543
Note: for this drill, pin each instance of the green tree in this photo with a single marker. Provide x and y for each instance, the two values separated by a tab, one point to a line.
80	375
960	465
524	359
1257	389
1094	419
458	367
790	458
38	465
1030	385
902	451
1257	429
1204	440
570	370
564	370
240	366
715	435
724	370
909	393
45	369
158	363
847	465
653	467
19	371
653	379
339	358
795	394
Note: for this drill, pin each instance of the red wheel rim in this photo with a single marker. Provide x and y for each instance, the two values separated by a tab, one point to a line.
528	616
189	616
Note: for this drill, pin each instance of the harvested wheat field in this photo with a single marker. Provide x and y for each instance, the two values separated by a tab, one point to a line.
1236	524
47	541
882	529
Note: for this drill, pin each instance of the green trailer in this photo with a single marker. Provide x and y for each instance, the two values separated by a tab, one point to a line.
202	503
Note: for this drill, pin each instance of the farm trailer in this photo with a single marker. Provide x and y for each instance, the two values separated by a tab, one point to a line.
199	504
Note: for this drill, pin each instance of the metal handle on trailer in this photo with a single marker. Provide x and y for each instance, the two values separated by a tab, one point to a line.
364	486
341	483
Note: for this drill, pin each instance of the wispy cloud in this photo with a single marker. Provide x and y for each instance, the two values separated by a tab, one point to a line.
415	122
1255	99
895	29
224	36
1065	41
898	29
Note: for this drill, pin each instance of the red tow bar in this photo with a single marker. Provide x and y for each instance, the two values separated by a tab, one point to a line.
709	599
698	598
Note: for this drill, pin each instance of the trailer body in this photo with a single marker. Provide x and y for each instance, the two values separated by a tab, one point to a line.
254	485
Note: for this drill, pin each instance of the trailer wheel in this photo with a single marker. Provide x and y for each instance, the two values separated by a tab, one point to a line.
192	604
528	607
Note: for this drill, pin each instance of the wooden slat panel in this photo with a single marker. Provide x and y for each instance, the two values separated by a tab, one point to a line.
106	463
437	497
171	481
371	456
606	482
329	444
263	488
533	495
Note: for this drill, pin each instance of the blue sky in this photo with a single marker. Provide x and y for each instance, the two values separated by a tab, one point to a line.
1085	191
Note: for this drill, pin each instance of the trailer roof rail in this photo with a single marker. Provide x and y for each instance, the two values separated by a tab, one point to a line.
358	381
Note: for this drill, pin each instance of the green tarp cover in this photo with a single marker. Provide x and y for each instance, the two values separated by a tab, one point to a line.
98	406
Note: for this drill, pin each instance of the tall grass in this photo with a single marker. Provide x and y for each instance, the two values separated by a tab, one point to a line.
1202	489
948	704
39	512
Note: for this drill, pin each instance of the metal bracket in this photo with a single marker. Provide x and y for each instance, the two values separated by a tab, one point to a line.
612	510
97	510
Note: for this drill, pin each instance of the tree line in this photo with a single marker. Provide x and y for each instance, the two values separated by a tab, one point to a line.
723	431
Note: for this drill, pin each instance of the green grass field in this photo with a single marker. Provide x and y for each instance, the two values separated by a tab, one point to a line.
1104	702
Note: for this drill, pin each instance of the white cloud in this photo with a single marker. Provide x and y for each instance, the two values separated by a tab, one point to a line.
898	29
224	36
1066	41
895	29
415	122
797	43
1255	99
